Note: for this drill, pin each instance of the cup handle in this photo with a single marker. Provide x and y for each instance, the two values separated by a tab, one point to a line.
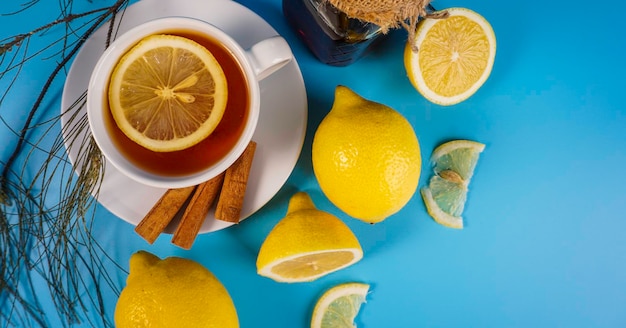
268	56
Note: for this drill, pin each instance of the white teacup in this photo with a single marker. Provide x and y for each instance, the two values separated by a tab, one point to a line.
256	63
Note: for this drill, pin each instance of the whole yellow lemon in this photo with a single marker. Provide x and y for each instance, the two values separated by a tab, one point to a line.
366	157
174	292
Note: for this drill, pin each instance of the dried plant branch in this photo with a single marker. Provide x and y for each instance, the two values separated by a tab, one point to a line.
47	215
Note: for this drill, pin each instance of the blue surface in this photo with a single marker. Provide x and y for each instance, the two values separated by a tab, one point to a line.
544	244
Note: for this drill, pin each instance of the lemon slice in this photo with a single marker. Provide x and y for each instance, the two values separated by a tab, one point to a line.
338	306
455	56
445	196
167	93
307	244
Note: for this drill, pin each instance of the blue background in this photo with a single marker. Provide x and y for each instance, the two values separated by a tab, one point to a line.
544	243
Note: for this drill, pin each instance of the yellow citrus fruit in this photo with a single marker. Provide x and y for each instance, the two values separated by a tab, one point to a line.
366	157
167	93
173	292
338	306
445	196
454	58
307	244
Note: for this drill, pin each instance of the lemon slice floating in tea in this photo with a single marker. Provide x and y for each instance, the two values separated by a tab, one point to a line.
338	306
445	196
454	58
167	93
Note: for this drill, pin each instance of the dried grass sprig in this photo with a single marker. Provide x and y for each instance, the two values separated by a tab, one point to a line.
47	209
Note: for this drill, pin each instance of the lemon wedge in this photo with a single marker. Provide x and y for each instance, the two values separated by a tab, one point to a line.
445	196
339	306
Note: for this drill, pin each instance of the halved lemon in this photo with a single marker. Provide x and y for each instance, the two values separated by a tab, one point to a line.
455	56
307	244
167	93
445	196
339	306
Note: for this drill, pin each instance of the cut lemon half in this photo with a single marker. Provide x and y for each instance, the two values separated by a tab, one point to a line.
307	244
339	306
445	196
455	56
167	93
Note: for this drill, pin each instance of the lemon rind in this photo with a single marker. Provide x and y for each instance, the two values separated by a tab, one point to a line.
352	288
266	270
437	213
412	58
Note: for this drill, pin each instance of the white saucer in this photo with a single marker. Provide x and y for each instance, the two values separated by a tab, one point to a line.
279	134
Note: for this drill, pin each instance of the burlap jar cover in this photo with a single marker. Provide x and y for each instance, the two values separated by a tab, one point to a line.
388	13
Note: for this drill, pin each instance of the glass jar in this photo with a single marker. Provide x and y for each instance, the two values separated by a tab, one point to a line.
334	38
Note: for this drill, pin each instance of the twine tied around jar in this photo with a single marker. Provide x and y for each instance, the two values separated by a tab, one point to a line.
389	14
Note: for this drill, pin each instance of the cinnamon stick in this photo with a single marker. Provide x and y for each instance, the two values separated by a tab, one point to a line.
196	212
235	182
162	213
